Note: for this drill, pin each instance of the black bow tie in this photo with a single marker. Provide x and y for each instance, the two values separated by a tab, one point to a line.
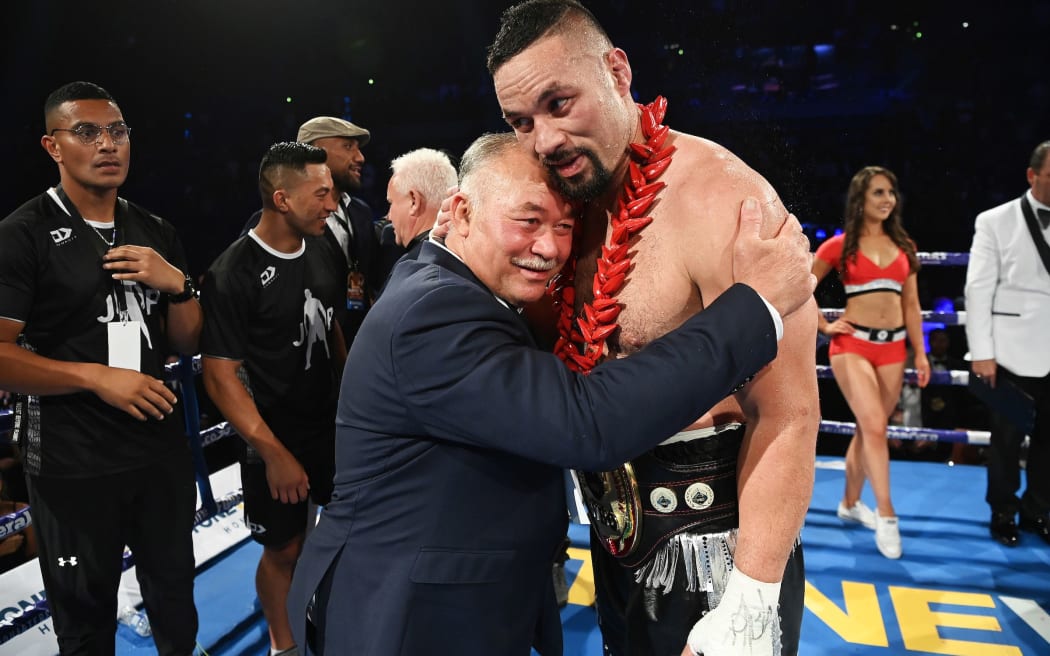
1044	218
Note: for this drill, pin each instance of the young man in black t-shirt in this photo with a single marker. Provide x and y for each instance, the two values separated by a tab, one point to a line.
363	259
271	351
93	299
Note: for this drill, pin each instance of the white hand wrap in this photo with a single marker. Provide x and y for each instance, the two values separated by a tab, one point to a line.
745	623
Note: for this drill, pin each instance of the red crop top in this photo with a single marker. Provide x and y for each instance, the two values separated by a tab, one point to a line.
862	276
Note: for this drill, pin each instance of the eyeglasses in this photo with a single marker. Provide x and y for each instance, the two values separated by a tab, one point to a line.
89	133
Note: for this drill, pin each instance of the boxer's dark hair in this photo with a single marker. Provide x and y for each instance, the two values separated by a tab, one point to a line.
524	23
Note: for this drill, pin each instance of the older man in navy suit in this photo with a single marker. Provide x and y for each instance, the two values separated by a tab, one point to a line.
453	427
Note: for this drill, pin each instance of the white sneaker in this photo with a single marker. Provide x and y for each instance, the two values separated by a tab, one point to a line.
888	536
859	513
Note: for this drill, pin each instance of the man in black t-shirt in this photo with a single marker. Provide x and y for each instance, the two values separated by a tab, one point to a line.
271	353
94	297
360	257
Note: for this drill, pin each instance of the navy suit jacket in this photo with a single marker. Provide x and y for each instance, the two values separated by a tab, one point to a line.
452	432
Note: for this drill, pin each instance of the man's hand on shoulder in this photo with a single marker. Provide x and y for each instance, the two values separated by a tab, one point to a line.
778	268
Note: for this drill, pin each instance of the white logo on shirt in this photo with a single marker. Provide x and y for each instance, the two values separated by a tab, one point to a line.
61	235
317	320
139	301
71	561
267	276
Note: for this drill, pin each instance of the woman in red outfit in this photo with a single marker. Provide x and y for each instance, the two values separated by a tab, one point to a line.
876	261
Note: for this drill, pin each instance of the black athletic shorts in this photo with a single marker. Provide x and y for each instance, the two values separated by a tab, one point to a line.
271	522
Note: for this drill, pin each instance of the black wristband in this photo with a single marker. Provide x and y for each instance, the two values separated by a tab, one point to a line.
188	292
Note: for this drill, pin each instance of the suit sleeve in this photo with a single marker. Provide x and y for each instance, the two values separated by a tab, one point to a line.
982	274
466	375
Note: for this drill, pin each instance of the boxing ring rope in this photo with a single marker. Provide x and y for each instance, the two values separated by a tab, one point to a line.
940	258
184	371
916	433
957	377
15	522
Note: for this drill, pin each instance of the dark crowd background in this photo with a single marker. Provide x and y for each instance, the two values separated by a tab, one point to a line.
952	96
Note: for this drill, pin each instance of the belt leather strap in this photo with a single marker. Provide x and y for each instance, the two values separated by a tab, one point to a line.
682	486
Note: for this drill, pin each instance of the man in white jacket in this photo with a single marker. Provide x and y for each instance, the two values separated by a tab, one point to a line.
1007	311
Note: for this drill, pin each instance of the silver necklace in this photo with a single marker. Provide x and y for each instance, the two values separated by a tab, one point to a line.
109	242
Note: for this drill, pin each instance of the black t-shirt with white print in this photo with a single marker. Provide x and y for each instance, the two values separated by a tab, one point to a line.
273	311
52	280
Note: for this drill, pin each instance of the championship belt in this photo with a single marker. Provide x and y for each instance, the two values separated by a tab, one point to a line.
685	485
614	507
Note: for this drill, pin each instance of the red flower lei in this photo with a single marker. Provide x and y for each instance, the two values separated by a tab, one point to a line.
597	321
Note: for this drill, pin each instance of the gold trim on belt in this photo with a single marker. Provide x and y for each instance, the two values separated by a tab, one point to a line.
614	506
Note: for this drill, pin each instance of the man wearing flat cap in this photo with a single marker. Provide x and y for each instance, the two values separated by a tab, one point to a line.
351	225
350	231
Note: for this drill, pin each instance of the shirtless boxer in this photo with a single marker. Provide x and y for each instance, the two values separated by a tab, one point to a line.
714	513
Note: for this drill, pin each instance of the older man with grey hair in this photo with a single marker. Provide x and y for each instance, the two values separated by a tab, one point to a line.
420	180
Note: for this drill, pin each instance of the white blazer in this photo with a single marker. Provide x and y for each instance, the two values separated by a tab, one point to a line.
1008	293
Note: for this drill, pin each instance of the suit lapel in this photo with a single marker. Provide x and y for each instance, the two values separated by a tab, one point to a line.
1036	233
432	253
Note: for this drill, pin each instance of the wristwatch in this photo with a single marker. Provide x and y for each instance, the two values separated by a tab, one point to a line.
188	292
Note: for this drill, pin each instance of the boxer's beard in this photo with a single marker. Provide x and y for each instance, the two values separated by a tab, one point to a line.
579	187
